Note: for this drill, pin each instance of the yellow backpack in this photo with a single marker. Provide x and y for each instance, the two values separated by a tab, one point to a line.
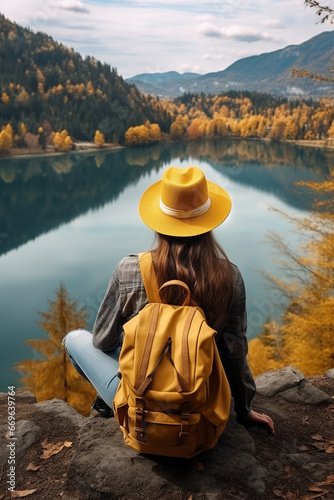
173	398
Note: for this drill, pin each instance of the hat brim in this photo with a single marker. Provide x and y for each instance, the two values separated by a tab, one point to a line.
152	215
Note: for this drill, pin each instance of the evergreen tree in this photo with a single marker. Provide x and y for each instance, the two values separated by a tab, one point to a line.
53	376
54	83
306	335
99	139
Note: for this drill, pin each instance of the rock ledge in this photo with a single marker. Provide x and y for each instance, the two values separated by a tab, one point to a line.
246	464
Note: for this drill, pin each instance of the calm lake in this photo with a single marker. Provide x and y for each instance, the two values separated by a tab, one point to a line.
71	218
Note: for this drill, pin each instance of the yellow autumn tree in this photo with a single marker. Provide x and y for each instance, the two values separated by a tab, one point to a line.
210	129
130	137
265	351
138	136
306	332
143	135
278	128
154	133
221	126
217	127
249	126
99	139
5	98
22	129
90	88
53	376
196	129
41	81
62	141
23	97
291	129
176	131
6	138
330	132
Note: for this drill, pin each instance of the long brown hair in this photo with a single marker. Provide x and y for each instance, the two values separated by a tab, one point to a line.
202	264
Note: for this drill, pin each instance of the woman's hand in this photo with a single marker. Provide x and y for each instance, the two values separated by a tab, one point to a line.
260	418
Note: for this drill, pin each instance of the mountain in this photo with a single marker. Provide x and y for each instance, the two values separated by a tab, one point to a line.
269	72
154	83
43	81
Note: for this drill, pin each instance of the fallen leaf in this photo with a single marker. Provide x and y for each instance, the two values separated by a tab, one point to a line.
317	495
33	467
22	493
51	449
319	445
314	487
318	437
68	444
1	496
286	496
323	445
288	471
291	496
303	448
329	480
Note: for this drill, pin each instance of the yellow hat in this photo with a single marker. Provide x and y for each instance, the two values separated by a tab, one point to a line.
184	203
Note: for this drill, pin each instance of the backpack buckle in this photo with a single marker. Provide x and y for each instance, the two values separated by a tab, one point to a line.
185	418
139	419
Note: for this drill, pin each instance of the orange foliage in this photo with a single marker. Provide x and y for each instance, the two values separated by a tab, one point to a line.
53	376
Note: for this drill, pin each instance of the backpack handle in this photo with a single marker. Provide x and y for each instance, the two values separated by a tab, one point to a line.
186	301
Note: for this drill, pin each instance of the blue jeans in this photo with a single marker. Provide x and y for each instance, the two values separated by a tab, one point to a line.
98	367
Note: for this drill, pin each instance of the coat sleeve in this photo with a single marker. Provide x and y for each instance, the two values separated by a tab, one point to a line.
233	347
108	326
124	298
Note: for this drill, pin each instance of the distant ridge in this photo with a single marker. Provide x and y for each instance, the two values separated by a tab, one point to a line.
44	83
155	83
269	72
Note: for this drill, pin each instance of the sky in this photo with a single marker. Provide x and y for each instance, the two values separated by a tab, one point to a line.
154	36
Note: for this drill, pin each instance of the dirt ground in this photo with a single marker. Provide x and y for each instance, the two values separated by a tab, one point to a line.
304	428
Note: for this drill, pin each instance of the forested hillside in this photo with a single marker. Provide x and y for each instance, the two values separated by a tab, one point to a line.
250	114
42	80
51	96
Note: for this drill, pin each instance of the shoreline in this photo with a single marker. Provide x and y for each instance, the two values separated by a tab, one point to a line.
87	147
316	143
80	147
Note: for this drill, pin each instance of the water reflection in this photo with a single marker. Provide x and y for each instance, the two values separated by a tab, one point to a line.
99	193
38	194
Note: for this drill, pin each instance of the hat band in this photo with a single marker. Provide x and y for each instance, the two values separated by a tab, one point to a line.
185	214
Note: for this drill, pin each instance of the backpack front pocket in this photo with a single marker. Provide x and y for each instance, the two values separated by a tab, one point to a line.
163	429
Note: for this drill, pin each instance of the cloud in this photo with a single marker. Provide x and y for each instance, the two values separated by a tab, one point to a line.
245	34
273	23
73	5
207	29
235	32
214	57
185	68
139	36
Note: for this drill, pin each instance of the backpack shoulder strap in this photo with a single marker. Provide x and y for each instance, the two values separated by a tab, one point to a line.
149	276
